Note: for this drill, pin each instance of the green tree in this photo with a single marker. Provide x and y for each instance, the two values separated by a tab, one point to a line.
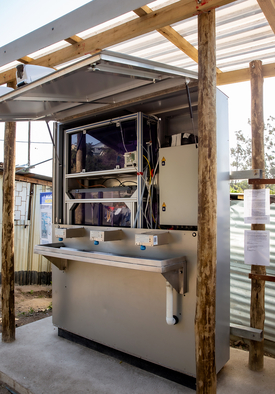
241	156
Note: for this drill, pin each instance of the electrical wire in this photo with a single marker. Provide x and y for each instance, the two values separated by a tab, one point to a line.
122	137
141	201
149	167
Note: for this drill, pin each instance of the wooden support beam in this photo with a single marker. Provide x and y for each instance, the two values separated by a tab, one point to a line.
267	278
261	181
172	13
207	212
243	75
25	60
268	8
257	307
8	312
73	40
35	181
174	37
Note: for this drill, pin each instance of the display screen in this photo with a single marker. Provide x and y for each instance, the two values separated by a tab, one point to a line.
103	148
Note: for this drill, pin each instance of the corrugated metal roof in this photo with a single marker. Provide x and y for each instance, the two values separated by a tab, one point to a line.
243	34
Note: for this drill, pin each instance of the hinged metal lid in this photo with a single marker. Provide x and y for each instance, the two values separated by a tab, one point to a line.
101	81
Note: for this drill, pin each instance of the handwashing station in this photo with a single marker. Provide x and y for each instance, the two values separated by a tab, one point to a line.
125	203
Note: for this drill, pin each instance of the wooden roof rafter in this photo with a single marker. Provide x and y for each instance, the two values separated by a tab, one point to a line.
181	10
71	40
74	39
174	37
149	21
268	8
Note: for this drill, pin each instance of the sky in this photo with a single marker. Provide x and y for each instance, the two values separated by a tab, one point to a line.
27	16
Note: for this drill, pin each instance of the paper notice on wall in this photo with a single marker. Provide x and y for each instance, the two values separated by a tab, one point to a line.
45	217
257	206
256	247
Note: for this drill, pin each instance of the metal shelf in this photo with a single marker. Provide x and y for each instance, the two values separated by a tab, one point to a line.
53	252
127	170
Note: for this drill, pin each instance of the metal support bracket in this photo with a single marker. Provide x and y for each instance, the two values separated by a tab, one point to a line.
61	264
178	278
246	174
253	334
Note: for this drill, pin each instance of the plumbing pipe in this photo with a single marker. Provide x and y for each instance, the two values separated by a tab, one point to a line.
170	319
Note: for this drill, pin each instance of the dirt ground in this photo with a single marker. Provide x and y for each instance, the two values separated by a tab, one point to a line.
32	303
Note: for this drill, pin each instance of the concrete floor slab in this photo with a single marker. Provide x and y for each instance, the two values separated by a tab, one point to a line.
40	362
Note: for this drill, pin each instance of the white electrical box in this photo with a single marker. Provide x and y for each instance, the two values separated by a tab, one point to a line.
106	235
178	184
70	232
130	159
152	238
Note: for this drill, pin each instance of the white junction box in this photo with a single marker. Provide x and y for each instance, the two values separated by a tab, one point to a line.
130	159
178	180
152	238
106	235
70	232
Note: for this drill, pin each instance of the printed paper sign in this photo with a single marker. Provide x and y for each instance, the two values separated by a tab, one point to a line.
257	206
256	247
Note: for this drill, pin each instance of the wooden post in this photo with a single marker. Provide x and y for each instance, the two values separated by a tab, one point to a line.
257	307
207	213
8	313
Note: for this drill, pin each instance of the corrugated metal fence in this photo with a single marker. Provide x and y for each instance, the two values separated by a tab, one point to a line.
239	281
30	268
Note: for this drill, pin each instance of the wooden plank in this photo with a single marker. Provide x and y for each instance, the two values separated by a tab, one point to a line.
174	37
243	75
261	181
268	8
30	179
207	211
173	13
8	311
8	76
25	60
73	40
257	305
267	278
